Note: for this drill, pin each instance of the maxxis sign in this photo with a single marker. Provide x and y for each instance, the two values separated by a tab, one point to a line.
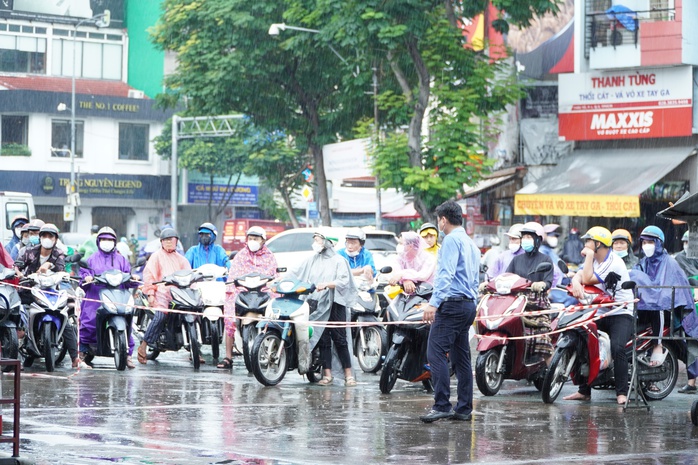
628	104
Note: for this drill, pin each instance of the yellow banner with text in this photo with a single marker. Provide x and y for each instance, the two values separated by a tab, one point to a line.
610	206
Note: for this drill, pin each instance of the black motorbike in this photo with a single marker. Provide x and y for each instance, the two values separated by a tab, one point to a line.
10	315
250	306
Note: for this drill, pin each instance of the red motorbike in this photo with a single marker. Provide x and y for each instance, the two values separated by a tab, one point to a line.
502	354
582	355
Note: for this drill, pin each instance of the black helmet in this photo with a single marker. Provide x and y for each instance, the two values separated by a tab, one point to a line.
168	233
94	229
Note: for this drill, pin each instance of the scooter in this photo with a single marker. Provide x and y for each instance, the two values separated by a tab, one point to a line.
48	316
212	287
250	306
10	314
582	356
371	341
407	356
503	354
283	343
114	317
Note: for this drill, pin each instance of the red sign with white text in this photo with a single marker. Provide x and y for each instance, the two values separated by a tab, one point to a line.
626	105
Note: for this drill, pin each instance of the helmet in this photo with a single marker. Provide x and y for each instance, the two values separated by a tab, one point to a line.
652	232
257	231
210	229
551	229
533	228
19	219
35	225
426	228
599	234
106	232
684	238
356	233
168	233
49	228
574	231
515	231
622	234
94	229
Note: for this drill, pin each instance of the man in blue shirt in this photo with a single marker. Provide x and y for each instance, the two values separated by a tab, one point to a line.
360	260
206	251
451	311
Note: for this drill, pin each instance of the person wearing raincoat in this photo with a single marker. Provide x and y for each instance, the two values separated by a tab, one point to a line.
162	262
105	258
514	249
16	228
414	264
623	247
207	251
335	294
690	267
658	268
255	257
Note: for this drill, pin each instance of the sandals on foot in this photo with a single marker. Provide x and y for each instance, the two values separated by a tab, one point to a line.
325	381
350	382
142	355
657	359
226	364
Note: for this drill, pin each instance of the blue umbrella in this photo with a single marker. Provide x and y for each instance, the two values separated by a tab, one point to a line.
623	15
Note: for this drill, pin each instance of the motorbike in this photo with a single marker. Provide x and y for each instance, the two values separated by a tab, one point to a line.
114	317
10	315
47	317
283	342
212	289
502	354
582	353
250	306
407	356
370	342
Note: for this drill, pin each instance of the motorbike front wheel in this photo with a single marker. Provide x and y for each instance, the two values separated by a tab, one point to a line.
10	345
249	335
120	349
370	358
556	377
215	340
391	366
488	380
62	349
658	390
266	366
48	344
194	347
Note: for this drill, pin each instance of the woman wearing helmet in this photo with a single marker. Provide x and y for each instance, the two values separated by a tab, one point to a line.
658	268
623	247
105	258
514	249
255	257
606	270
414	264
360	260
206	251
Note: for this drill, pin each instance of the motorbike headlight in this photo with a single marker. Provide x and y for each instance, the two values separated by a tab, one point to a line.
113	279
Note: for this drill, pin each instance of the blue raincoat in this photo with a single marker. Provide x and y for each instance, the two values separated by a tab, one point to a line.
201	255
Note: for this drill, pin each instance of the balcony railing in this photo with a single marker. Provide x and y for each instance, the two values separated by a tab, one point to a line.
616	29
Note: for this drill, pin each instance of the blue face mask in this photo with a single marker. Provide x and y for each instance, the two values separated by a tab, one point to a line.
34	240
621	253
527	245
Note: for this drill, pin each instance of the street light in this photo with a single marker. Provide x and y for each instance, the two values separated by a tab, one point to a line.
100	20
276	28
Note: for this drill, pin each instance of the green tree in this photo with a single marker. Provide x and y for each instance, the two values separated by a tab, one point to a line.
227	63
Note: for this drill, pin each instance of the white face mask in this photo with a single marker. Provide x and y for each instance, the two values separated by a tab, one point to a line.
648	249
399	248
318	248
106	246
685	246
253	246
25	240
552	241
352	254
514	247
18	232
47	243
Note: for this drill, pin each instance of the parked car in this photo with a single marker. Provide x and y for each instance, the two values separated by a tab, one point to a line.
295	245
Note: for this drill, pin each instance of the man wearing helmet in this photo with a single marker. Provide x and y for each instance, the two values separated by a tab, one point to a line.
360	260
688	265
106	258
162	262
255	257
16	227
514	249
430	235
206	251
606	270
623	247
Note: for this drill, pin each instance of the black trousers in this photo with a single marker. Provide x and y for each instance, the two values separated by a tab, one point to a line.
336	335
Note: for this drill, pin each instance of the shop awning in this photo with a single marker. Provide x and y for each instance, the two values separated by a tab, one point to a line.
488	182
685	209
604	183
404	213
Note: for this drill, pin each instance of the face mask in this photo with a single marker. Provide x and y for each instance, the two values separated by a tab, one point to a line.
318	248
685	246
18	232
25	241
352	254
648	249
106	246
205	240
552	241
621	253
47	243
527	245
34	240
399	248
514	247
253	246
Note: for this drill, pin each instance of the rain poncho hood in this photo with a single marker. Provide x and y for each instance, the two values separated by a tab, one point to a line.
161	264
417	267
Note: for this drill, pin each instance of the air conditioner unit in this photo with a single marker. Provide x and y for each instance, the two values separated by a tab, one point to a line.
134	93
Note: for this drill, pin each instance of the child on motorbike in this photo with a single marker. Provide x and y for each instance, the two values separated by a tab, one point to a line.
607	271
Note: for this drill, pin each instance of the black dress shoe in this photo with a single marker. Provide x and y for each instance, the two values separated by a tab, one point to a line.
461	416
434	415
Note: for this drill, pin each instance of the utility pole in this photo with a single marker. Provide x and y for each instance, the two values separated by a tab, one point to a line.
376	134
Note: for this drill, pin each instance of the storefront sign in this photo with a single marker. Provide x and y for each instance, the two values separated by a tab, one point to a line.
201	193
626	104
609	206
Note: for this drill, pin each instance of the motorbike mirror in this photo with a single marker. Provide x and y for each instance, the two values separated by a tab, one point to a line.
84	264
543	267
563	267
693	282
232	254
141	261
75	258
628	285
386	270
281	270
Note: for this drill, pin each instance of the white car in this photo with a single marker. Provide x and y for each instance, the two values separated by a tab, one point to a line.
293	246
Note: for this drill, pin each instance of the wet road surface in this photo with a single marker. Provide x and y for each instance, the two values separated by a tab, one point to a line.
165	413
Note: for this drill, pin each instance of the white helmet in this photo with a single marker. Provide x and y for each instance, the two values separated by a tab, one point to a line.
257	231
356	233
